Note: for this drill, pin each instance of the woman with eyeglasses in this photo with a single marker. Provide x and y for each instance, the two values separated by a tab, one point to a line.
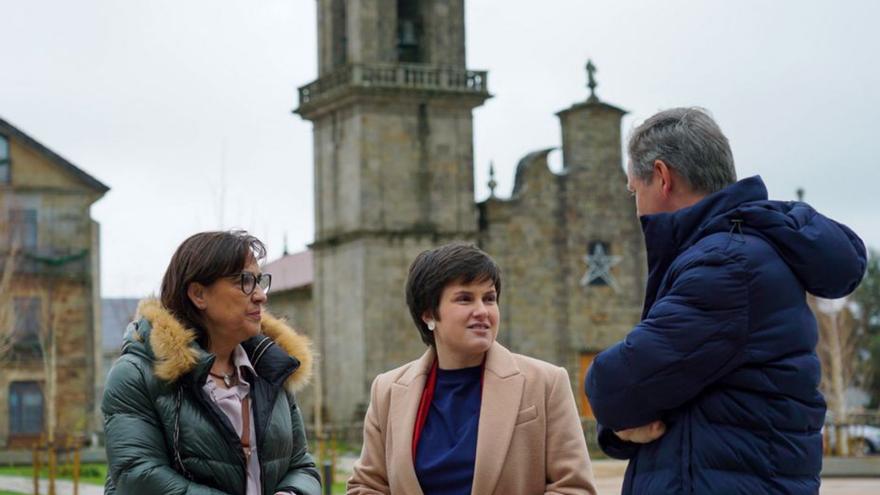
201	400
469	416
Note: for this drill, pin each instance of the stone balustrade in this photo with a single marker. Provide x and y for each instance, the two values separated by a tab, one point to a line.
398	77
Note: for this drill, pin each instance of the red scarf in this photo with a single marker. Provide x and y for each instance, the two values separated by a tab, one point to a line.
424	407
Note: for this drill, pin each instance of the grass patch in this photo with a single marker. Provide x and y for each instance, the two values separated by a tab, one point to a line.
93	474
339	447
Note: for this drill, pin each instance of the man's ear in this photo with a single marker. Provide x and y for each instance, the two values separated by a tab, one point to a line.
196	293
664	174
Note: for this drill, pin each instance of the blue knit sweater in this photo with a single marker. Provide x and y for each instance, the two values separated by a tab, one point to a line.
448	444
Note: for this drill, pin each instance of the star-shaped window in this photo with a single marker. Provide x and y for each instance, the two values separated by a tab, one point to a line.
599	263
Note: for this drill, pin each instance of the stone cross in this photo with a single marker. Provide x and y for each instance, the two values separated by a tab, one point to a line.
492	182
591	79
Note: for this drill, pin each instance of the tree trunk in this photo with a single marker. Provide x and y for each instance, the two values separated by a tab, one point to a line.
838	389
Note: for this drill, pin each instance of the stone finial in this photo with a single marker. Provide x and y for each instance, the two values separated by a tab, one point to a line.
800	194
492	182
591	80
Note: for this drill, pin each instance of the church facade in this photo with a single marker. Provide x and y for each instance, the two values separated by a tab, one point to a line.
393	163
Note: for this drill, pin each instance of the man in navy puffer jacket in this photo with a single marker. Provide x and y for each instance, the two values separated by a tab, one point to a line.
716	389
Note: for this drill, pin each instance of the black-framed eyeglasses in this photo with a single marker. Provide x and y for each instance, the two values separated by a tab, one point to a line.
249	281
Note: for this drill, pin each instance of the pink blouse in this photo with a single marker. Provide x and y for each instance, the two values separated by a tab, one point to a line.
229	401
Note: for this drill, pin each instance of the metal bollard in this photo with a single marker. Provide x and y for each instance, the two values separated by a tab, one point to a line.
76	467
53	465
328	477
36	469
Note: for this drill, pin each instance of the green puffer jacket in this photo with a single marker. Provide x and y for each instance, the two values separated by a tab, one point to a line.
157	417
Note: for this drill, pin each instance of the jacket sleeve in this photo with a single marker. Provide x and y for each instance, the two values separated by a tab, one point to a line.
568	462
692	336
369	475
613	445
137	460
302	476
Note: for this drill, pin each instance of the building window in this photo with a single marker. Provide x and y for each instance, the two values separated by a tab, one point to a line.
409	31
25	408
597	251
23	228
26	334
339	29
600	263
5	168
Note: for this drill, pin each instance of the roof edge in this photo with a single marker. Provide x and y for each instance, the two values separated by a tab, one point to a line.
82	175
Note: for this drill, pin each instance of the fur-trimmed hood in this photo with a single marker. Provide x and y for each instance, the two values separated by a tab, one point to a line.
175	352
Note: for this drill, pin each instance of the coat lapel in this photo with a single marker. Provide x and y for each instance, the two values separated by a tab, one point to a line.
406	393
502	395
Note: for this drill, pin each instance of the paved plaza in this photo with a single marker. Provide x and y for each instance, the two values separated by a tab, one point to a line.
609	478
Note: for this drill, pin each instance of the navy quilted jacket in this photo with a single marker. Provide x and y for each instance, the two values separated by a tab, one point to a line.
725	352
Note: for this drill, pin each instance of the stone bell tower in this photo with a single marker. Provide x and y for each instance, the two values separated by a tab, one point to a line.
393	153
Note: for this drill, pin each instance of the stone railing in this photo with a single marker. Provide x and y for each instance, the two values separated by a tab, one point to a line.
396	76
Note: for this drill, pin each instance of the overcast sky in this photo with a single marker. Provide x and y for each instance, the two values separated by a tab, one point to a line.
183	107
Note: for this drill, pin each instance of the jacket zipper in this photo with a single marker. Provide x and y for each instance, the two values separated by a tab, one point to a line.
261	349
687	474
232	437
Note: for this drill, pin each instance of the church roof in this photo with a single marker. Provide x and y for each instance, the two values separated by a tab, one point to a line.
592	104
11	131
116	314
291	271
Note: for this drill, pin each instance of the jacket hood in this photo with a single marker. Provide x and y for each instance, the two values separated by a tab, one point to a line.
827	257
175	352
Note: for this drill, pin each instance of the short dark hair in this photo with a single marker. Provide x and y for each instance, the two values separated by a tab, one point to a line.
436	268
690	142
204	258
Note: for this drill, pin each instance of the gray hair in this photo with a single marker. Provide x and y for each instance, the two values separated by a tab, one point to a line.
689	142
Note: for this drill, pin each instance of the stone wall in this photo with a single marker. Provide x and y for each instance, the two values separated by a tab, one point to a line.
297	307
396	165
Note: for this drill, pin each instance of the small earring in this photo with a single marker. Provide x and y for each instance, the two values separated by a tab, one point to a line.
431	325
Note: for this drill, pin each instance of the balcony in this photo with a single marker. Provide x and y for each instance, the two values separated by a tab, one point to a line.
398	77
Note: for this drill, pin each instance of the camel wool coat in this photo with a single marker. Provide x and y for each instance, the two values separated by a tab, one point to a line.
529	439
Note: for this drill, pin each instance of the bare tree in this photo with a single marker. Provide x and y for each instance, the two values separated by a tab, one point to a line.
48	322
867	296
838	351
50	319
7	270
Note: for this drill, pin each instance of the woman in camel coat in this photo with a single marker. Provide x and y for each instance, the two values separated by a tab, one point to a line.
469	416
